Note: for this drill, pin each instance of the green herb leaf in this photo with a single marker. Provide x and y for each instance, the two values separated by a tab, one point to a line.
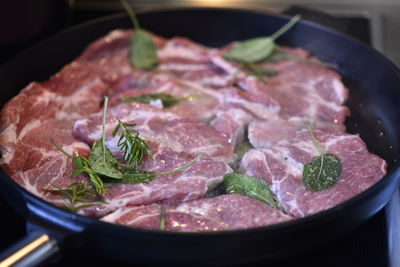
101	159
134	147
133	176
242	148
276	56
181	168
75	193
143	54
250	186
103	162
322	172
76	172
166	99
257	49
77	162
142	51
94	178
260	71
162	218
251	51
82	165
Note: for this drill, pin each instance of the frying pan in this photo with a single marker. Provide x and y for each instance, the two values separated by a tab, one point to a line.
374	85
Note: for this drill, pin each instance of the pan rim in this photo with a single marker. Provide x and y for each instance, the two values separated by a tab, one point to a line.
395	170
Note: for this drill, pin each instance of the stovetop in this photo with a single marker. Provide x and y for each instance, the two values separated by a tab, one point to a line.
365	246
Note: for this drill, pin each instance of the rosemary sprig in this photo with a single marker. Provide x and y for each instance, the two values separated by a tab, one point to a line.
166	99
134	147
76	193
102	166
257	49
134	176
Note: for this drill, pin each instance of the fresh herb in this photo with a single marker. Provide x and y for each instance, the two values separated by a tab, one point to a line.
323	171
236	183
166	99
242	148
82	165
134	147
143	53
134	176
257	49
102	166
101	158
259	72
76	193
162	218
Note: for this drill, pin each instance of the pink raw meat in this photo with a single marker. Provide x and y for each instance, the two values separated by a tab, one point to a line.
282	167
204	215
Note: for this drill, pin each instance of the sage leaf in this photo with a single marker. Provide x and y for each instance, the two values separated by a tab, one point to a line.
322	172
143	54
76	172
251	51
103	162
77	162
166	99
250	186
276	56
260	71
142	51
257	49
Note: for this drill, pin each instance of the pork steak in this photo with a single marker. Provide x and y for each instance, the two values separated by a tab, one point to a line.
281	165
204	215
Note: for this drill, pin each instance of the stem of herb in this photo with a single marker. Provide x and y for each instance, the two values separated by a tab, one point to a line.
181	167
286	27
315	141
103	129
131	14
60	149
236	73
162	217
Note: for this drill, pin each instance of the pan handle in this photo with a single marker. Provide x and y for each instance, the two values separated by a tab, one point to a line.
31	250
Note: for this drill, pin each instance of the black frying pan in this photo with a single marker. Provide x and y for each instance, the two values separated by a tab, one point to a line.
374	85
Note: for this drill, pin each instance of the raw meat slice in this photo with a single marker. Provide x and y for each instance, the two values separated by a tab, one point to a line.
305	90
302	89
153	124
190	61
37	115
282	166
204	215
191	183
196	101
236	72
238	109
55	171
266	133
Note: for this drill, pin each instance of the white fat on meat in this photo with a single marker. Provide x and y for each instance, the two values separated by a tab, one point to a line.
281	165
204	215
